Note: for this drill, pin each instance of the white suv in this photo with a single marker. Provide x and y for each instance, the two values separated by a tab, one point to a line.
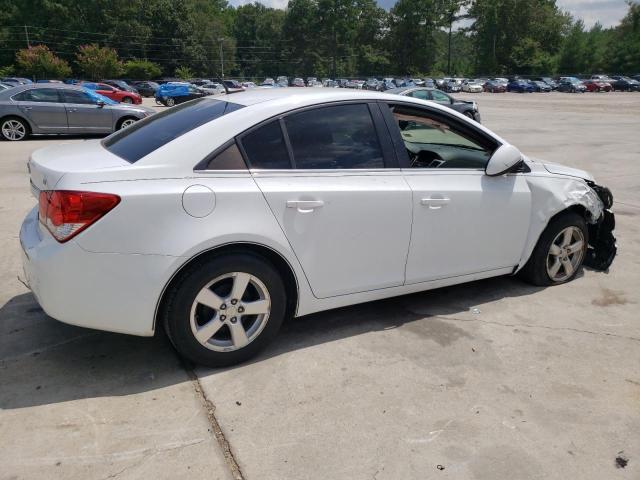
220	217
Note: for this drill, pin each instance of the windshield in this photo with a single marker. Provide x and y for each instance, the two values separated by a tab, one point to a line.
99	98
143	137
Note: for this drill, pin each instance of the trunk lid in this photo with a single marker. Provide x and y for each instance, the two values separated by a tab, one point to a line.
48	165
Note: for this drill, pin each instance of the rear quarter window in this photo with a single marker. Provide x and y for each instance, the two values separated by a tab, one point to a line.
142	138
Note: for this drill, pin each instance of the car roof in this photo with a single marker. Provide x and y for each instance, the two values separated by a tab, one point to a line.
303	97
21	88
262	105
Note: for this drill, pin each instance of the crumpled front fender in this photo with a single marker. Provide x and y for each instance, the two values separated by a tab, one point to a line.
602	244
551	196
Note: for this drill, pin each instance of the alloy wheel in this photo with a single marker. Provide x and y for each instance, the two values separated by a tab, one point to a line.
127	100
13	130
230	312
565	254
126	123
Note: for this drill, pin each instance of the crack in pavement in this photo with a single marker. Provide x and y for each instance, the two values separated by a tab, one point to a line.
210	408
523	325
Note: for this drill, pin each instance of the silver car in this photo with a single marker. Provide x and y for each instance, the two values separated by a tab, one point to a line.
62	109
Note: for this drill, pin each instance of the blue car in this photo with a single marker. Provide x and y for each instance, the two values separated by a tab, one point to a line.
520	86
172	93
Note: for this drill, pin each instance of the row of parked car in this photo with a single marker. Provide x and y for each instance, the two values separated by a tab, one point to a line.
597	83
57	107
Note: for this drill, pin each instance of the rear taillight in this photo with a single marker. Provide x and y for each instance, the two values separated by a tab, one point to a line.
66	213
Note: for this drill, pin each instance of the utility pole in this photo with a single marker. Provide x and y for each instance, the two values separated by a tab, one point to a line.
221	59
26	32
449	49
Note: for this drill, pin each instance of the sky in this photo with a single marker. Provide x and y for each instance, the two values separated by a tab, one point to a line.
608	12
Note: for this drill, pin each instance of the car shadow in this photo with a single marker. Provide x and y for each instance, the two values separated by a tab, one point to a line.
43	361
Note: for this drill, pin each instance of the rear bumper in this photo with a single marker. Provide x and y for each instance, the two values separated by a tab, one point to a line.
111	292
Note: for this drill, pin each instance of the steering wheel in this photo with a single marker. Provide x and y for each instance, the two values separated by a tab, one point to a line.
426	159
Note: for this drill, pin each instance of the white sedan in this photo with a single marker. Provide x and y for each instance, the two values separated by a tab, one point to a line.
222	216
472	87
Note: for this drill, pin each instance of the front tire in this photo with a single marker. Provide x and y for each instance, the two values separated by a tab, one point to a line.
126	122
225	310
128	100
14	129
559	253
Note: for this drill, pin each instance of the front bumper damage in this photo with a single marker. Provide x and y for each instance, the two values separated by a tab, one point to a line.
602	244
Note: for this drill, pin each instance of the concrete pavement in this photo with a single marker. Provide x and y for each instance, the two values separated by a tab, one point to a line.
488	380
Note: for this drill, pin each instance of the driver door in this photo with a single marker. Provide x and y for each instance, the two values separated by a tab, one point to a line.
464	222
84	115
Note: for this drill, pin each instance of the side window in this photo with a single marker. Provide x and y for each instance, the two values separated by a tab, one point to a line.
106	88
421	94
38	95
76	96
21	97
337	137
432	141
440	97
265	147
228	159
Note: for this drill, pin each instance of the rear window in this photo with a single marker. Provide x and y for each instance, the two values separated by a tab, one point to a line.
142	138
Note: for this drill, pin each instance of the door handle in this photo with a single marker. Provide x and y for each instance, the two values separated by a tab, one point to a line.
435	203
27	108
73	109
305	206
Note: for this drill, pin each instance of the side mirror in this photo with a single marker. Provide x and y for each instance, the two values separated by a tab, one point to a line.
503	159
100	103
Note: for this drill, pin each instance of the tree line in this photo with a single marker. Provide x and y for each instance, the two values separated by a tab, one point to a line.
324	38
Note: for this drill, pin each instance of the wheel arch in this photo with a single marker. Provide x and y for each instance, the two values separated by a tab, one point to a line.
19	117
573	208
123	118
280	263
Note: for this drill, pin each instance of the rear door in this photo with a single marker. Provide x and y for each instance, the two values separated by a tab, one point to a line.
331	183
44	108
85	115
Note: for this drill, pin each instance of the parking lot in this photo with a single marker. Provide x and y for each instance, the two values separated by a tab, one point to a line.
489	380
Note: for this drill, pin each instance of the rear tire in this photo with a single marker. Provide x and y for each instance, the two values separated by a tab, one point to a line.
206	315
14	129
559	253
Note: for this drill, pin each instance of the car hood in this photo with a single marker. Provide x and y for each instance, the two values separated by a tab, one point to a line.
135	108
558	169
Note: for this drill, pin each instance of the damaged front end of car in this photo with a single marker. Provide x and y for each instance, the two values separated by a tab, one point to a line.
602	244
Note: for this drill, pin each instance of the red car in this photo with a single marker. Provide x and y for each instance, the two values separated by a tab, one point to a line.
597	86
122	96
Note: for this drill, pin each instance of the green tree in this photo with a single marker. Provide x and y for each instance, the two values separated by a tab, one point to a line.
141	70
40	62
572	58
301	38
184	73
513	36
624	48
7	71
98	62
412	35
